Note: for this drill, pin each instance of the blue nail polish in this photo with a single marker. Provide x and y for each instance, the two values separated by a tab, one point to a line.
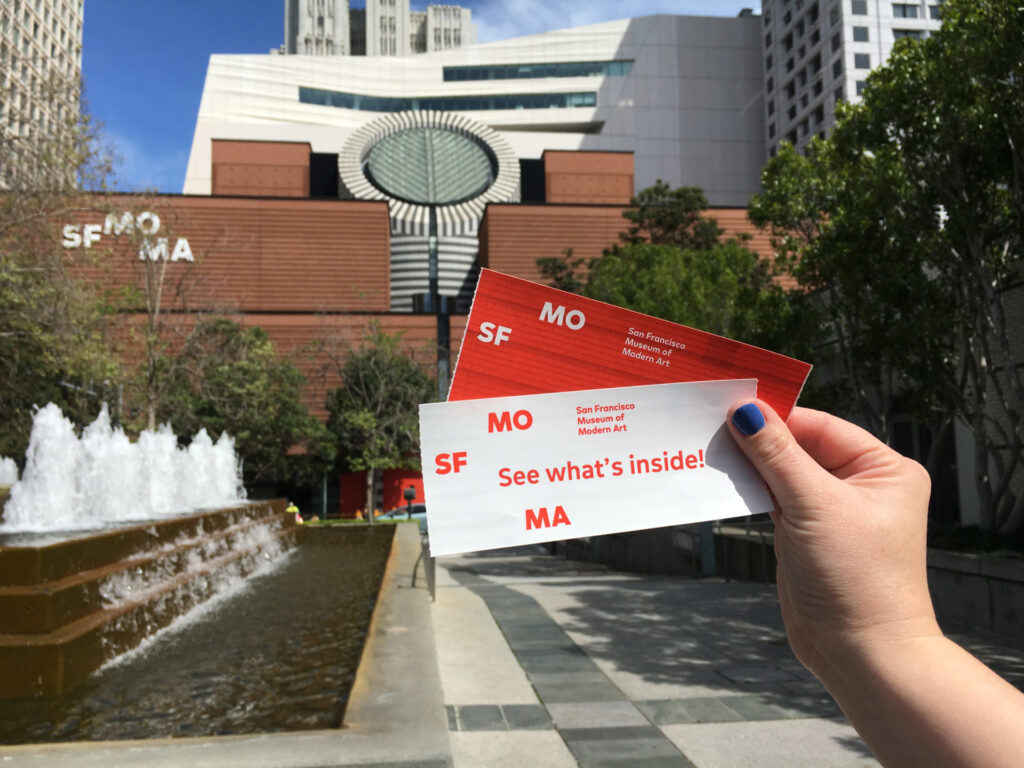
748	419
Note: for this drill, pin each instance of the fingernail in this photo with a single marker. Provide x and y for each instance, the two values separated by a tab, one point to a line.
748	419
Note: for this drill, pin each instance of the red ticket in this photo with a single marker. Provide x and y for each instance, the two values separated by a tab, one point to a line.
524	338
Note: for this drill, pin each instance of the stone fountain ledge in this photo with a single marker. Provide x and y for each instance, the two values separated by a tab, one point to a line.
68	607
395	715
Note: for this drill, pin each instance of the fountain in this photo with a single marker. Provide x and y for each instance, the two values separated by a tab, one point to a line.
105	541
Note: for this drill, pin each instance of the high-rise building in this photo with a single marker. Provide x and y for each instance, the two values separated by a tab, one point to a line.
40	79
819	52
383	28
317	27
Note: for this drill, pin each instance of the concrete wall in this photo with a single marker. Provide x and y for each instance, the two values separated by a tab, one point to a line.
978	591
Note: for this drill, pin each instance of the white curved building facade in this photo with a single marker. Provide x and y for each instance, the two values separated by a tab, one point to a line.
684	94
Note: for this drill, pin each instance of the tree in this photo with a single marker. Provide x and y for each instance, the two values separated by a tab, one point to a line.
907	224
52	345
374	414
661	215
229	378
672	264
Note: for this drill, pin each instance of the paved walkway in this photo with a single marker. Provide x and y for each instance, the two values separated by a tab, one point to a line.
530	660
545	662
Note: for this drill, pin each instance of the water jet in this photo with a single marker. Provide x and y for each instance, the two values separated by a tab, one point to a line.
105	541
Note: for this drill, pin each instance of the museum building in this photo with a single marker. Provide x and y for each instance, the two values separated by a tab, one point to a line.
316	271
327	193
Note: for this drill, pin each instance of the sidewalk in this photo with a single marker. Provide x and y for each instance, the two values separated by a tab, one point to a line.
547	662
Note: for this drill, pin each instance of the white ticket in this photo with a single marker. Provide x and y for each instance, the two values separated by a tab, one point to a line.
508	471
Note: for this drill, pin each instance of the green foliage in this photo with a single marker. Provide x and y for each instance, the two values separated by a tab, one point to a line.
229	378
725	289
52	345
374	414
664	216
907	225
562	272
673	265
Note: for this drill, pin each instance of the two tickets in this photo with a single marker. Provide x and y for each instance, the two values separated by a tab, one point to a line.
568	417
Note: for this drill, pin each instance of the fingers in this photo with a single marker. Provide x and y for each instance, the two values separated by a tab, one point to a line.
837	445
774	451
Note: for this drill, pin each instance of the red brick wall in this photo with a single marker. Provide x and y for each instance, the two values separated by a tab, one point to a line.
588	177
513	237
253	254
257	168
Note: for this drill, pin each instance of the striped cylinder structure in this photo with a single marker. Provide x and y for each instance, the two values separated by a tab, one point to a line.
458	216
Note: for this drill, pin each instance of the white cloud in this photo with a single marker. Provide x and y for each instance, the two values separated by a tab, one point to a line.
139	168
502	19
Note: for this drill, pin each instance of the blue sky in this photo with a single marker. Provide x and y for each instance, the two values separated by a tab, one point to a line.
144	61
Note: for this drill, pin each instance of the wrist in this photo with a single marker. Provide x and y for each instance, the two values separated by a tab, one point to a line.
845	656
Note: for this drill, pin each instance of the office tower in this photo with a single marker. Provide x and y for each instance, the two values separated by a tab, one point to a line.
819	52
40	81
382	28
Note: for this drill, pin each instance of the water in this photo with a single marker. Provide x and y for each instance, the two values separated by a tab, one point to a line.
102	478
8	471
278	654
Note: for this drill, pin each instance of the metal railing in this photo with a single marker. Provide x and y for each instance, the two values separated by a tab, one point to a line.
428	565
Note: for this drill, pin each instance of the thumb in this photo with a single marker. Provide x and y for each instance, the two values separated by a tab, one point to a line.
791	474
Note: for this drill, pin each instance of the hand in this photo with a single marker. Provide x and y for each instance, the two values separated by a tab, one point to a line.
850	523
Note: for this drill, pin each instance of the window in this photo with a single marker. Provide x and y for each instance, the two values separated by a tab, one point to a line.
800	28
861	85
768	62
812	13
787	18
934	12
618	68
791	137
814	65
787	42
815	37
860	34
837	42
768	40
803	101
771	106
446	103
904	11
819	115
791	113
771	85
790	90
801	52
789	65
859	7
838	94
862	60
833	15
816	90
837	68
771	131
913	34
